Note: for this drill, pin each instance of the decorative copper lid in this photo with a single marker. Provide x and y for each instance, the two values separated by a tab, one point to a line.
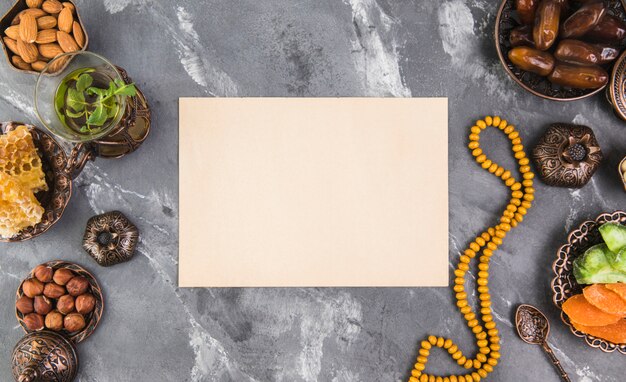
44	357
567	155
110	238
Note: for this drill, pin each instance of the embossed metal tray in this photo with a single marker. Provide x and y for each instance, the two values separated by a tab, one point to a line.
54	162
531	82
564	284
92	319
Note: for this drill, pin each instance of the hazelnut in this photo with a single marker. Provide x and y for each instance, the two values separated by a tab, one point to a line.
85	303
53	290
54	321
74	322
77	286
33	321
24	305
65	304
43	273
43	305
62	276
32	288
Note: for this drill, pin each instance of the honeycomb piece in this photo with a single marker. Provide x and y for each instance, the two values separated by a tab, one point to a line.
19	208
19	158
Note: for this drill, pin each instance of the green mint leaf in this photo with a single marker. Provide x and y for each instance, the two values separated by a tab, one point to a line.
119	83
84	129
71	114
98	117
84	81
96	91
75	100
127	90
111	112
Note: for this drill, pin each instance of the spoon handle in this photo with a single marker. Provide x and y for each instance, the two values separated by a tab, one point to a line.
556	362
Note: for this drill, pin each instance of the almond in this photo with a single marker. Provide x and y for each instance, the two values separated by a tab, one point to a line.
35	12
11	44
78	33
46	22
67	42
39	65
34	3
27	51
20	63
52	6
50	50
57	64
13	32
69	5
16	20
66	20
46	36
28	28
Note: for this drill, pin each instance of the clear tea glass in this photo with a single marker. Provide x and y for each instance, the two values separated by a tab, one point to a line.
56	108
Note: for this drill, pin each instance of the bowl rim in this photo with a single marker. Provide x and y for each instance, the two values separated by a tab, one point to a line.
96	290
517	80
558	269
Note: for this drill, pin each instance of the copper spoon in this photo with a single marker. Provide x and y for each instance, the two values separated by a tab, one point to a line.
533	327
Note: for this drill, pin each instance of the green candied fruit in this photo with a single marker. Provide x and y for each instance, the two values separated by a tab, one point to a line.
614	236
596	266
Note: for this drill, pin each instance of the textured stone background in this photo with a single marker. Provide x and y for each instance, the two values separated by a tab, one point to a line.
153	331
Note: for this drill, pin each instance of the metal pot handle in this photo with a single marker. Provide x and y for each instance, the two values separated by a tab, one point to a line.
78	158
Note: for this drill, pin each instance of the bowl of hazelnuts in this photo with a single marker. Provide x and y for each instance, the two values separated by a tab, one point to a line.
62	297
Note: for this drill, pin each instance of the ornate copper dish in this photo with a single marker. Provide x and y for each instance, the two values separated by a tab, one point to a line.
531	82
564	285
54	162
92	318
6	20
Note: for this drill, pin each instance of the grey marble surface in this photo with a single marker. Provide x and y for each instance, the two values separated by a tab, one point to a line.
154	331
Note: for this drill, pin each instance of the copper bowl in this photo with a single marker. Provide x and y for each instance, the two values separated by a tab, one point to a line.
54	162
506	20
564	285
7	21
92	319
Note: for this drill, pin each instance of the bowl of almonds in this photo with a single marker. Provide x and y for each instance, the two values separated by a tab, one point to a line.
36	31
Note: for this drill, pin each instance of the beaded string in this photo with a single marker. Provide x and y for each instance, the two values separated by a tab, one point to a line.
486	333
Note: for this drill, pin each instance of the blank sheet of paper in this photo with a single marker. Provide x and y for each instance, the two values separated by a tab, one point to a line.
322	192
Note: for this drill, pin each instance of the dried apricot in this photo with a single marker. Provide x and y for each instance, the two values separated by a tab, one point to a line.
581	311
605	299
615	333
619	288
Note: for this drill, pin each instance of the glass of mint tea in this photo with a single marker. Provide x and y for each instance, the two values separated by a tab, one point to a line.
83	102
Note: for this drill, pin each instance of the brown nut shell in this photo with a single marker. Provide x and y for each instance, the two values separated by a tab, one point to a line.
53	290
66	20
46	36
11	44
526	10
43	305
46	22
77	286
609	29
67	42
20	63
34	3
28	51
54	321
532	60
65	304
32	288
13	32
25	305
546	27
581	77
74	322
522	36
33	322
85	303
62	275
43	273
28	28
78	33
576	52
52	6
583	20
